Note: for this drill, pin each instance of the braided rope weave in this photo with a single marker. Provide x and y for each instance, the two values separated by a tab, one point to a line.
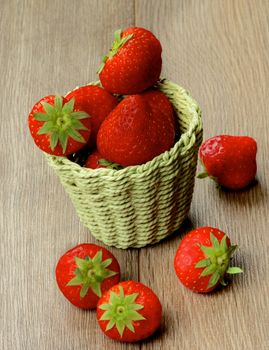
143	204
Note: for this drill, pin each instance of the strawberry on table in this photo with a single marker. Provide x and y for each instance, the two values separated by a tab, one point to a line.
129	312
133	64
85	272
140	128
58	126
203	259
95	101
229	160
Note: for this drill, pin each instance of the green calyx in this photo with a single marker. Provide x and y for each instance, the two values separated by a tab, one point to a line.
217	260
110	165
90	273
121	311
117	44
61	122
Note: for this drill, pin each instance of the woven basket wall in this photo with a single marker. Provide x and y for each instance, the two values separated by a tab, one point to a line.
139	205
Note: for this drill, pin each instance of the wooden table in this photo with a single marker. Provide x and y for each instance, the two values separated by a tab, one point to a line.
219	51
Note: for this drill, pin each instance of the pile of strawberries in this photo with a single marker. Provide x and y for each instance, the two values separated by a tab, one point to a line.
129	122
125	122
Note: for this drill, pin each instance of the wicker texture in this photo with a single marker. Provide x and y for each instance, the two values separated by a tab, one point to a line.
139	205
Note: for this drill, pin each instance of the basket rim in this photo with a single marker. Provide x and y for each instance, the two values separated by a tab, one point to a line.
185	142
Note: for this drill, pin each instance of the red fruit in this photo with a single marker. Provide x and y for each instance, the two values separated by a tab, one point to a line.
95	101
85	272
133	64
95	161
138	129
58	126
129	311
230	160
203	258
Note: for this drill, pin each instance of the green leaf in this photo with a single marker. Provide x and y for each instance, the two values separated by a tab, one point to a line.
58	102
135	307
214	241
134	316
121	292
69	106
42	117
232	249
223	243
96	288
208	270
49	109
203	263
107	315
79	115
120	327
104	307
78	125
110	325
202	175
130	299
54	137
208	251
110	273
84	289
110	165
233	270
63	140
76	135
125	39
117	35
81	263
114	298
76	281
46	128
213	280
130	326
106	262
97	259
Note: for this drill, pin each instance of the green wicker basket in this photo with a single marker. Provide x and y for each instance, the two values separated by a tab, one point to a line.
143	204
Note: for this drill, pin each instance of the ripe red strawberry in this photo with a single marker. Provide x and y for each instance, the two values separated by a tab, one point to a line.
85	272
230	160
203	259
133	64
95	101
129	311
95	161
58	126
138	129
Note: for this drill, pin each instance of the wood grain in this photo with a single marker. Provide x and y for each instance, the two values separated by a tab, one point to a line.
219	50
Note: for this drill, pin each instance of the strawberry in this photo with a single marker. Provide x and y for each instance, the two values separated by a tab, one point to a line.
230	160
85	272
133	64
129	311
95	161
138	129
58	126
95	101
202	259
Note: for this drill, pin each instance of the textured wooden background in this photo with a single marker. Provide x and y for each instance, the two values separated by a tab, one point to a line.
219	50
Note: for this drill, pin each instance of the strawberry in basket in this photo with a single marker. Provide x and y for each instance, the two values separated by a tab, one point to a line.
140	128
58	126
134	62
95	101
